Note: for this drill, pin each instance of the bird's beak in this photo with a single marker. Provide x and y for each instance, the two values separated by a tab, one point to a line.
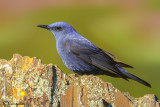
43	26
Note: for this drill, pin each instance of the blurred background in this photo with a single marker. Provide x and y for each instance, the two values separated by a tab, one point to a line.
129	29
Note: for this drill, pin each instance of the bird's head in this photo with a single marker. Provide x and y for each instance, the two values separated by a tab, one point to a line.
59	28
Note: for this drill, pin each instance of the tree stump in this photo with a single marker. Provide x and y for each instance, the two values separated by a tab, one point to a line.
26	82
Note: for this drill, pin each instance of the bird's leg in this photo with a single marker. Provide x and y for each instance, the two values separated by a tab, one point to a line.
76	75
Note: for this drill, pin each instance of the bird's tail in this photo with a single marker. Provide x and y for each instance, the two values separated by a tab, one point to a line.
131	76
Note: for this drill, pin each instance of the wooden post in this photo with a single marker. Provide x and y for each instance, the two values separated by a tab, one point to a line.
26	82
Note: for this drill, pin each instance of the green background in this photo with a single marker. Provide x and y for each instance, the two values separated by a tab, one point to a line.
127	34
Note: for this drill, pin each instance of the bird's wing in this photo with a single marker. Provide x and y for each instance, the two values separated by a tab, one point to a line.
117	61
95	56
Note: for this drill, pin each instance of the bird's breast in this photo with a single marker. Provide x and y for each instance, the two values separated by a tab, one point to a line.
71	61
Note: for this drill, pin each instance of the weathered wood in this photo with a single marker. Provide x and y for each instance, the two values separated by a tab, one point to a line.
27	82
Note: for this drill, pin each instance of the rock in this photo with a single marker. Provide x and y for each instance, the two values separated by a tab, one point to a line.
149	100
26	81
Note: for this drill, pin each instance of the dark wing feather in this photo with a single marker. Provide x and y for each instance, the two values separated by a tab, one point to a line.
98	58
117	61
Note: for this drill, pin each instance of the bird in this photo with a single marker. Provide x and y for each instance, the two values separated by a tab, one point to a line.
84	58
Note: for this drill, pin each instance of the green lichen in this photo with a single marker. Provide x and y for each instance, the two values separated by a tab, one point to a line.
24	86
41	88
38	93
95	90
60	90
17	78
111	91
15	100
96	103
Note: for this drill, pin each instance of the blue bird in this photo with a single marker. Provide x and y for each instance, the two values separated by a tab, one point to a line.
83	57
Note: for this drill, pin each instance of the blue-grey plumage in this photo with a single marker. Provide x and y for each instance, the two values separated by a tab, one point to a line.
83	57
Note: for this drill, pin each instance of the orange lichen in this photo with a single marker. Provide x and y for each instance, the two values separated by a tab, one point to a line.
18	93
22	93
27	64
40	69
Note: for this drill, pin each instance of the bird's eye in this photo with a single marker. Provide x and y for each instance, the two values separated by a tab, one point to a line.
59	28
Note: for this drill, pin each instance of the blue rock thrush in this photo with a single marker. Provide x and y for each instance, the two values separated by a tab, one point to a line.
83	57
